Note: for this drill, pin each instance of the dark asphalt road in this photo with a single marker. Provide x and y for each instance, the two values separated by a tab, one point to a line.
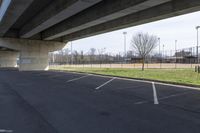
56	102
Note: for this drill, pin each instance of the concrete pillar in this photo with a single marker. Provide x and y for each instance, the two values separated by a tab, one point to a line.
33	57
8	58
33	54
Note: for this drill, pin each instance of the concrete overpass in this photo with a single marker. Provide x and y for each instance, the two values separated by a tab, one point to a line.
32	28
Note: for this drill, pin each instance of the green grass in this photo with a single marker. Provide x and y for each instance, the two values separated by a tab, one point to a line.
183	76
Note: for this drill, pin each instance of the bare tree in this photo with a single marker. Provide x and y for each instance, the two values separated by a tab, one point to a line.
66	55
76	54
101	53
143	44
92	52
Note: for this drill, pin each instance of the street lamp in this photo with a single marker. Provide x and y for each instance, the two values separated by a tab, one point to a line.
124	33
175	52
71	53
159	51
197	27
53	58
163	53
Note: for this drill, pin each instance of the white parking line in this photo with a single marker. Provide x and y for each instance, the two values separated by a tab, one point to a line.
144	81
5	131
174	95
141	102
55	76
105	83
42	74
166	97
155	94
71	80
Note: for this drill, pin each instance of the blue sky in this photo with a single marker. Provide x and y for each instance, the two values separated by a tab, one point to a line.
181	28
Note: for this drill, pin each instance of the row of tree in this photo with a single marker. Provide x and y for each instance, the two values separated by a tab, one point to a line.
93	56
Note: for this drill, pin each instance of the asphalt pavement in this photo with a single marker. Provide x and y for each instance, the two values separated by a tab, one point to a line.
66	102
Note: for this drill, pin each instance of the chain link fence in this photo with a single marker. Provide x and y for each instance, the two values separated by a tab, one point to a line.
180	58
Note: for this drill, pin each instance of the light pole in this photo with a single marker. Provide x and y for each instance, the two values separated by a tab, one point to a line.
53	58
197	28
124	33
159	51
71	53
175	52
163	52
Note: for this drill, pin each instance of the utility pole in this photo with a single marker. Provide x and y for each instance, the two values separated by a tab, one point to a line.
125	33
175	53
53	58
163	52
197	28
159	52
71	53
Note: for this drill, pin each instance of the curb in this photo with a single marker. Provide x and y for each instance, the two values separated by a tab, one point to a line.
141	79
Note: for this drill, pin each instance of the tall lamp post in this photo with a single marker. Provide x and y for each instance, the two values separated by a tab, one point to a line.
71	53
175	53
53	58
159	51
197	28
163	55
124	33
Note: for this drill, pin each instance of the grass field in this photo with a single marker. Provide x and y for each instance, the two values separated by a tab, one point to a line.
183	76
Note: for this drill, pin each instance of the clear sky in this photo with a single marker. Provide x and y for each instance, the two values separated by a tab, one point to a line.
181	28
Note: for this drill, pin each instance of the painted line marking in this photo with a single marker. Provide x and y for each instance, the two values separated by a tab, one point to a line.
174	95
71	80
155	94
141	102
143	81
55	76
166	97
5	131
105	83
43	74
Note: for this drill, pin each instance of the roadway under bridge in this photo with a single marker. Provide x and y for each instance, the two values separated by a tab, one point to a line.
29	29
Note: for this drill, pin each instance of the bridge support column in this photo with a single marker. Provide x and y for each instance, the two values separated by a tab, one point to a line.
8	58
33	54
33	57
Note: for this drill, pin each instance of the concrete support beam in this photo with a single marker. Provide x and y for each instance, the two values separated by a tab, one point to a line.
54	13
3	8
8	58
33	53
102	12
169	9
8	16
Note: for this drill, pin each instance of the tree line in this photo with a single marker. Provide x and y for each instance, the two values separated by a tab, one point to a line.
93	56
142	44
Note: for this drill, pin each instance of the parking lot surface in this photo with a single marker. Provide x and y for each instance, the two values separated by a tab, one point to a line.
65	102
